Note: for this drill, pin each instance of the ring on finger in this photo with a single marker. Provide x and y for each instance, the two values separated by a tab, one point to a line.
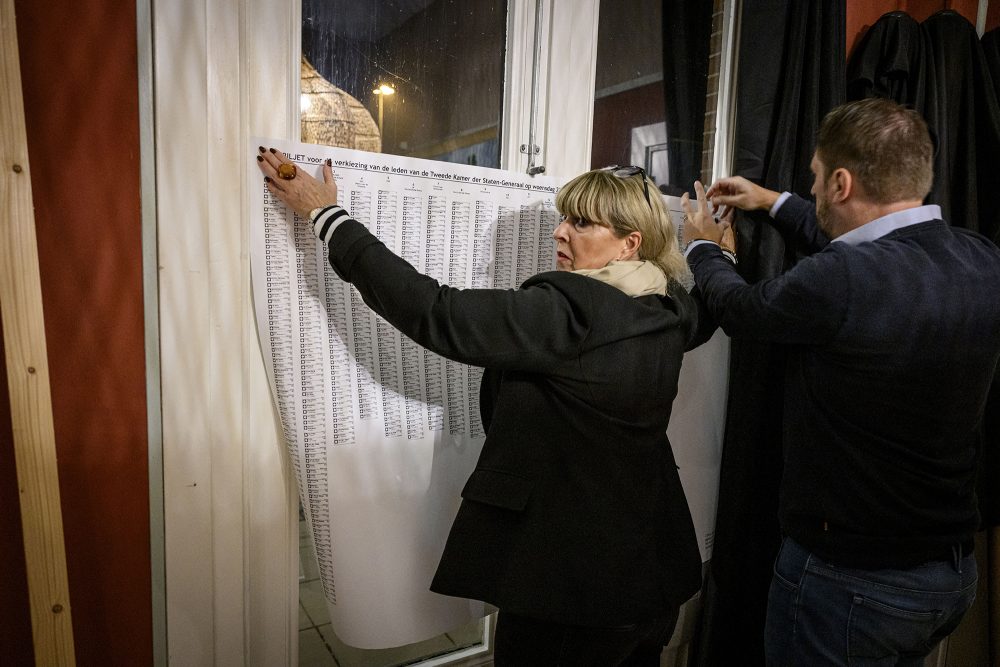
287	171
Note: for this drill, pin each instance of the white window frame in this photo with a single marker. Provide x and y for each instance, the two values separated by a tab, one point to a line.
564	85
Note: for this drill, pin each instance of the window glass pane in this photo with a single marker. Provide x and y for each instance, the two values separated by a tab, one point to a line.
633	107
629	80
438	66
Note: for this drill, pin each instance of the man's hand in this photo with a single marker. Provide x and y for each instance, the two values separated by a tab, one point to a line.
738	192
700	225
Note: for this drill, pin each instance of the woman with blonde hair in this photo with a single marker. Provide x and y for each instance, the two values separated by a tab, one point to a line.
574	523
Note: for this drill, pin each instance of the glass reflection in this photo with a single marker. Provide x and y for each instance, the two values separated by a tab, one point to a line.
642	44
442	60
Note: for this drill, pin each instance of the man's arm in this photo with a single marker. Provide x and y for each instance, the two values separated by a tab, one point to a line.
792	215
796	217
805	305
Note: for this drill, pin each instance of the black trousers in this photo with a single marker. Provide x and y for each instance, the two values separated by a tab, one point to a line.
522	641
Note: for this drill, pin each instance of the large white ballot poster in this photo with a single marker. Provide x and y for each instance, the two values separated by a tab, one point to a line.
382	434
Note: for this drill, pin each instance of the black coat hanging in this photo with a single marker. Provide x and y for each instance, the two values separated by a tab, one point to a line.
890	61
964	117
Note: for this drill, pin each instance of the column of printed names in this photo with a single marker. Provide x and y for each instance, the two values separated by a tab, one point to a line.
456	375
362	319
411	247
435	228
387	225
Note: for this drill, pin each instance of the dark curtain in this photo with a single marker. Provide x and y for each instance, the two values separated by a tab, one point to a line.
791	66
991	425
687	32
962	110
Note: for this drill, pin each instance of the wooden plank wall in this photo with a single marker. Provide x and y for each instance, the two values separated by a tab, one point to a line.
79	80
28	374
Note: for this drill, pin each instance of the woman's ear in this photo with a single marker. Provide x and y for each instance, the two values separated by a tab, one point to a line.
630	248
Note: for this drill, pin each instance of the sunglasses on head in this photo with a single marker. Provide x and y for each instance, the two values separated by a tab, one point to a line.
628	171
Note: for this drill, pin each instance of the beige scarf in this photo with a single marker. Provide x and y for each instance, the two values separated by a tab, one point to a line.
635	278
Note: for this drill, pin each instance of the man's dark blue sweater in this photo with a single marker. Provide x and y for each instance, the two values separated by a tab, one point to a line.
893	339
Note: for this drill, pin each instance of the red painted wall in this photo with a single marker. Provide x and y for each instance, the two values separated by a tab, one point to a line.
993	15
79	80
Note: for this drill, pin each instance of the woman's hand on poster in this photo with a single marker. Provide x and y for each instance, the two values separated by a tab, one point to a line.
297	189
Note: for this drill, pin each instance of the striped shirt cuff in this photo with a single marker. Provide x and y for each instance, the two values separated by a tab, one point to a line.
327	220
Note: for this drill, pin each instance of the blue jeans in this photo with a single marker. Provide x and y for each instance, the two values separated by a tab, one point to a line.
823	614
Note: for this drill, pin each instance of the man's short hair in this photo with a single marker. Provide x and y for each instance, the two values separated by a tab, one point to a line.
885	146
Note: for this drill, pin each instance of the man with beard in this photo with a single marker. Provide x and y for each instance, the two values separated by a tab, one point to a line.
892	325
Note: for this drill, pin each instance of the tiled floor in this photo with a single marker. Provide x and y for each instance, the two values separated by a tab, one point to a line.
320	647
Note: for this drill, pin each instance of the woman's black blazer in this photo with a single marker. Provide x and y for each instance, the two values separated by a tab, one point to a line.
575	512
